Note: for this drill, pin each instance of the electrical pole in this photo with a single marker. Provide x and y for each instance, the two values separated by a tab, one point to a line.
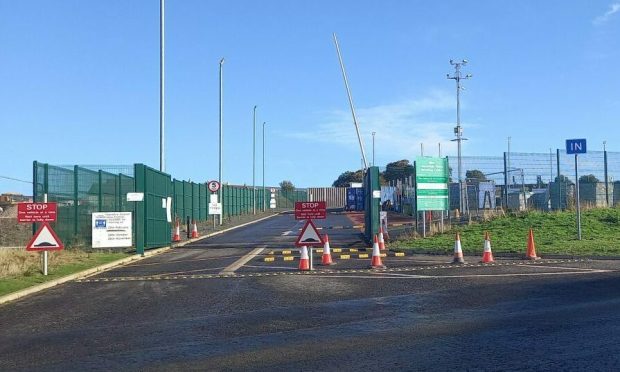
162	164
219	192
254	161
458	131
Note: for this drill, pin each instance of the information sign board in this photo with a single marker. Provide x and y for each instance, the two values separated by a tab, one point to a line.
36	212
111	229
431	183
310	210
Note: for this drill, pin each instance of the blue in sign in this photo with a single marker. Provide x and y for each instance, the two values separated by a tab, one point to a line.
576	146
100	224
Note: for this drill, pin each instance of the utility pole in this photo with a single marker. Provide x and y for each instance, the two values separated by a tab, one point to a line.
264	197
162	163
458	131
254	161
219	192
373	148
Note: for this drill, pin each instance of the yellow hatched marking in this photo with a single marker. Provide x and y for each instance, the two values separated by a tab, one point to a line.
286	252
353	250
399	254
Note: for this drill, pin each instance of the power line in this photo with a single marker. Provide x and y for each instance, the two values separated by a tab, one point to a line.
15	179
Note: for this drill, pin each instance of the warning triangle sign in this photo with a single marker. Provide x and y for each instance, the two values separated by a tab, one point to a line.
45	240
309	236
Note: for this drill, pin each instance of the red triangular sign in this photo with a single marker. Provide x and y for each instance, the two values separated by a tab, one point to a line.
45	240
309	236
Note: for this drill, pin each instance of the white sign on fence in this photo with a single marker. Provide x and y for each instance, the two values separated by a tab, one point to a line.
111	229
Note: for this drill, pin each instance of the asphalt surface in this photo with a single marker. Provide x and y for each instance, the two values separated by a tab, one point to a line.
188	309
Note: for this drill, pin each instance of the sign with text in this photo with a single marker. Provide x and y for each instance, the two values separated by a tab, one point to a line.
111	229
36	212
431	175
576	146
215	208
310	210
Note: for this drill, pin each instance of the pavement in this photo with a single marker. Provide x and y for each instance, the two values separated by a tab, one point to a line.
216	304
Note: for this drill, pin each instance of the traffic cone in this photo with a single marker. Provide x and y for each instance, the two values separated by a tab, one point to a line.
381	241
177	233
194	230
487	256
304	260
458	251
376	256
531	247
327	254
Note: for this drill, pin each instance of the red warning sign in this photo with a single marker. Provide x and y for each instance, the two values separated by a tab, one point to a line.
45	240
309	236
36	212
310	210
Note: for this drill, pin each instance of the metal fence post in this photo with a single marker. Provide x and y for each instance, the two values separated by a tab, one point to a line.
606	178
559	182
100	196
505	181
76	202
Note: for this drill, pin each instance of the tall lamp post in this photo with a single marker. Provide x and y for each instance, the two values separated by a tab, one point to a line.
162	165
264	195
373	148
254	160
458	131
219	192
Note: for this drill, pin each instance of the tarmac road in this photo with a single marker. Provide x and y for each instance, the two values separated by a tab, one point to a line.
174	311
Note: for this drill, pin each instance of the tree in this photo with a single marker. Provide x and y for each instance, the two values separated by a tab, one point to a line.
475	174
347	177
398	170
588	178
287	185
563	179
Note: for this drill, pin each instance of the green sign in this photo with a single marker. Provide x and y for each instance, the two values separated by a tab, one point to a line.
431	176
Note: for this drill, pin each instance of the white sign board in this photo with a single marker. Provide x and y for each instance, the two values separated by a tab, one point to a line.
135	196
169	209
272	204
111	229
215	208
213	198
376	194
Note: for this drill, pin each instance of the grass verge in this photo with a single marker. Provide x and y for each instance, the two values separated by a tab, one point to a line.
20	269
554	233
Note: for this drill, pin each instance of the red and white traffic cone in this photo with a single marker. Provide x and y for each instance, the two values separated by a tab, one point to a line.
487	256
381	241
458	251
376	256
327	254
177	233
304	260
194	230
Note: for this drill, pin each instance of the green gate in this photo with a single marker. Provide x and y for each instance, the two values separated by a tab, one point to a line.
152	226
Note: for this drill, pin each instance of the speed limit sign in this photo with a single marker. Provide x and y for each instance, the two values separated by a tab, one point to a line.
213	186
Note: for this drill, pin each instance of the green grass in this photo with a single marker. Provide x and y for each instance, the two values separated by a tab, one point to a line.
67	267
554	233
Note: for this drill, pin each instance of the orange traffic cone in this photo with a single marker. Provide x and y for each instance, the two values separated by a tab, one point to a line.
376	256
304	260
487	256
381	241
177	233
531	247
194	230
458	251
327	254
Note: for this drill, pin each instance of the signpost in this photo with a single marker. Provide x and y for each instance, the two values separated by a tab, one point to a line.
577	146
215	208
45	239
431	175
310	236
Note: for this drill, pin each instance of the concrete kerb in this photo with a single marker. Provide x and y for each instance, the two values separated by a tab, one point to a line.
103	268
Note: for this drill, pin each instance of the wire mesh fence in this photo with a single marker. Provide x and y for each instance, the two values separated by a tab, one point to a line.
81	190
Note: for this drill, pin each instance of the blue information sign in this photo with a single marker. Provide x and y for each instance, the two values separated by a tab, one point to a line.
576	146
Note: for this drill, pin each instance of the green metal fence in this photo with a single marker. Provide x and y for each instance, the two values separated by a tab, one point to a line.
81	190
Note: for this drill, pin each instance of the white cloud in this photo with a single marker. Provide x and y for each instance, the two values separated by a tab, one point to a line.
613	9
400	128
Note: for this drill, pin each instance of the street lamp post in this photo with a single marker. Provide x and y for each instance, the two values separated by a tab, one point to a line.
219	192
264	197
373	148
254	160
162	164
458	131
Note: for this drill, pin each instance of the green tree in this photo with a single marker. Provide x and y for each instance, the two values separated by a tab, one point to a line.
287	185
398	170
475	174
347	177
588	178
563	179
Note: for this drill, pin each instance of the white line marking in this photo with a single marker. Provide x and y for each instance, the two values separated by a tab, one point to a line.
563	267
286	233
242	261
406	276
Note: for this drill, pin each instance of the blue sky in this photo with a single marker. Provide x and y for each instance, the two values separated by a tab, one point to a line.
79	82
